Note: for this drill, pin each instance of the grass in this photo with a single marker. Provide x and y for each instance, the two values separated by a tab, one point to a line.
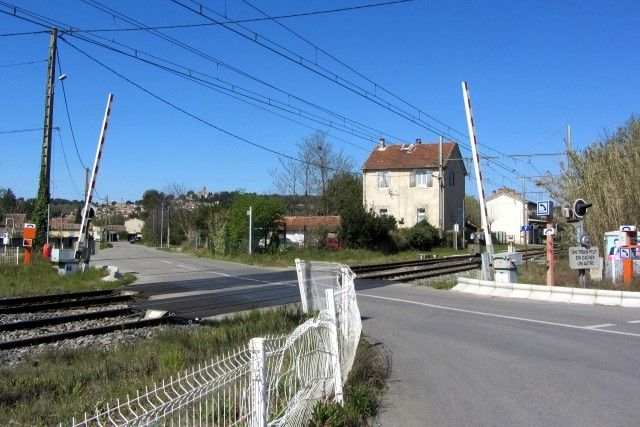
57	385
41	277
536	274
343	256
362	392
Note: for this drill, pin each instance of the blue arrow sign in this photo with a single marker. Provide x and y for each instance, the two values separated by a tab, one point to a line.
526	228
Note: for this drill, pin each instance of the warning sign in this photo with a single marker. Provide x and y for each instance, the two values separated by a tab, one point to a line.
583	258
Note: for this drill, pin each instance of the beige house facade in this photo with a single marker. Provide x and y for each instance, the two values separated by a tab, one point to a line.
405	181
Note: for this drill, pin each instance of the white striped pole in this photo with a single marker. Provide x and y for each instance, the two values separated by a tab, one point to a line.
94	173
476	162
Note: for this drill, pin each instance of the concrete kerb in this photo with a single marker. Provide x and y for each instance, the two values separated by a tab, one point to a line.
540	293
583	296
630	299
560	294
549	293
606	297
502	289
520	291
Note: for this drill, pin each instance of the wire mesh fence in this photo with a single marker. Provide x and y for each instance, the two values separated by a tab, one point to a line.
10	255
274	381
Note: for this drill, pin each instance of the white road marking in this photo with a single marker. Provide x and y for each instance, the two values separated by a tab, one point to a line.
633	321
167	262
188	268
500	316
605	325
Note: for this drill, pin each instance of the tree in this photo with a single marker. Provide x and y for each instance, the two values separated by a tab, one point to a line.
598	175
183	215
154	204
267	215
8	201
364	229
317	163
343	190
472	210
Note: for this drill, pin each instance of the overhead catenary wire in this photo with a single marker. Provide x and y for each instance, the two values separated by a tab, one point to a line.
74	32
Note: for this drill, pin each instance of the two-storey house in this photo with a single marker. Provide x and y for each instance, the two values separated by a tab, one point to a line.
416	181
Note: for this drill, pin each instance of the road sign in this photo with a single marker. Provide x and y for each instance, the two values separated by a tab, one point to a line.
583	258
625	253
549	231
545	207
27	243
628	228
526	228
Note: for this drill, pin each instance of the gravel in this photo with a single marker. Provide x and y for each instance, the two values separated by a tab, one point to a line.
15	357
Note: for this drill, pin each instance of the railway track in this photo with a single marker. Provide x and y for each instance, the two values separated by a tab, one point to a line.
47	319
40	303
411	270
417	269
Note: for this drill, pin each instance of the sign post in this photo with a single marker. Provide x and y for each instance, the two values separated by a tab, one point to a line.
545	208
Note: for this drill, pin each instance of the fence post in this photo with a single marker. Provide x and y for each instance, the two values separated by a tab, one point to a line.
258	390
302	284
335	351
347	285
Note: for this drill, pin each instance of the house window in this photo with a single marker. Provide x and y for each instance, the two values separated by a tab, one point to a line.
384	212
383	179
420	178
452	175
421	214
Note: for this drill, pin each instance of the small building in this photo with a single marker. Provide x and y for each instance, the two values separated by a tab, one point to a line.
304	230
134	227
508	211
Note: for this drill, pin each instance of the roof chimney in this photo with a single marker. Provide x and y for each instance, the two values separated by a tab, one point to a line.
418	141
381	142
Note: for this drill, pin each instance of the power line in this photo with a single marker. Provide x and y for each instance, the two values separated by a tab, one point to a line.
193	116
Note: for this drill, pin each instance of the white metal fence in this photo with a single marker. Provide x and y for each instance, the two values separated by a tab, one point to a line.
274	381
10	255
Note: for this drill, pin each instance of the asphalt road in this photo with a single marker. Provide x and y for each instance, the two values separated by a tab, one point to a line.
467	360
458	359
191	287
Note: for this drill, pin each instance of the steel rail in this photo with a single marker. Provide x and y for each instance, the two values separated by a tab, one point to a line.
57	320
21	306
101	330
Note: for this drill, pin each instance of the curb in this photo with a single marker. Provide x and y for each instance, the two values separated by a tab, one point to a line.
548	293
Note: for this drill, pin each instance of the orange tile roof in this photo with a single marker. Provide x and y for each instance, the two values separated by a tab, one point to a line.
414	156
311	222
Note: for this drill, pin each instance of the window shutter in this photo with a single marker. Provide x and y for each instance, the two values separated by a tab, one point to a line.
429	180
412	179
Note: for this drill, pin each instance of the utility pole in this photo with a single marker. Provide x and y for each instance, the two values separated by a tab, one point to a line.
161	222
44	193
48	109
440	190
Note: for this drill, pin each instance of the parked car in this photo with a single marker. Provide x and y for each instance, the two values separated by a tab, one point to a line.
332	242
135	239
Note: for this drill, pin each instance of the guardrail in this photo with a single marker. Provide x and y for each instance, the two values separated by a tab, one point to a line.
272	381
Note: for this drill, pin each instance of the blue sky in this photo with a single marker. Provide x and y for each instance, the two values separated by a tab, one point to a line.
394	71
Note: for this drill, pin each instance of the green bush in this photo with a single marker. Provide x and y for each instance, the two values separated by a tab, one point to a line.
422	236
